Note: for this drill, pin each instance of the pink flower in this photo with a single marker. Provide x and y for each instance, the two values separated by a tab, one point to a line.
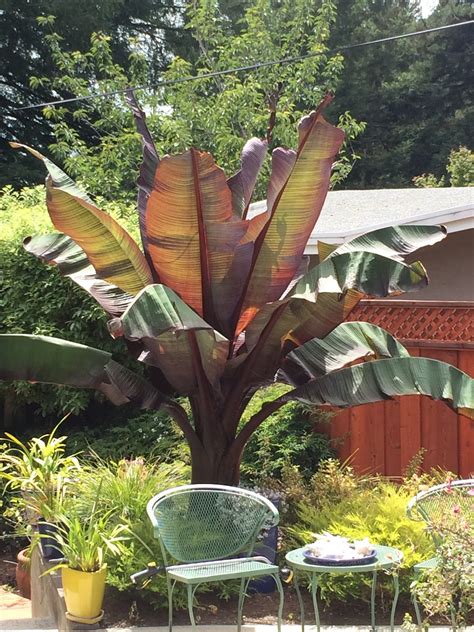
456	509
470	492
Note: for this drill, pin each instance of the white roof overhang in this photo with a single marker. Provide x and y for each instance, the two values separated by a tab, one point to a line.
387	207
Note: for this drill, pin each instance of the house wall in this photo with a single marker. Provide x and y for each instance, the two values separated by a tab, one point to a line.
450	267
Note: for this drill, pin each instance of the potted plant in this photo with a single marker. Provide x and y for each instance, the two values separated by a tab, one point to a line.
22	572
86	542
41	472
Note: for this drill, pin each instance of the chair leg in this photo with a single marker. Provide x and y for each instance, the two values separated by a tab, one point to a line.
190	605
170	586
282	599
417	609
415	601
242	593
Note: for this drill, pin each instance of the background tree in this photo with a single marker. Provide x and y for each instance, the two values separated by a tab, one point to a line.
460	169
153	27
418	94
218	114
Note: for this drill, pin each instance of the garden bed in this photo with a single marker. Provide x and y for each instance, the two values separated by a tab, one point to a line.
125	609
7	571
122	610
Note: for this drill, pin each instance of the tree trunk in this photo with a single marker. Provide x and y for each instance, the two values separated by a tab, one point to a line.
218	469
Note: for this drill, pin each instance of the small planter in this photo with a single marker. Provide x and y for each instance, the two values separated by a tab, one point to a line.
267	548
49	545
84	594
22	573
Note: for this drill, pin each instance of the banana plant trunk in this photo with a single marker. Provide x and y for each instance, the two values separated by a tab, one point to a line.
220	468
218	439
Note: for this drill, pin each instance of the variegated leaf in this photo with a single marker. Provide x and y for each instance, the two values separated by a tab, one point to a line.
60	250
178	340
297	206
55	361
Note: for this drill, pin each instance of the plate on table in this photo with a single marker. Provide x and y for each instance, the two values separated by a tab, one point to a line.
310	558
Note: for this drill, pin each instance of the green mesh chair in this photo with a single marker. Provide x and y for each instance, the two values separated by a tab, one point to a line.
211	530
430	506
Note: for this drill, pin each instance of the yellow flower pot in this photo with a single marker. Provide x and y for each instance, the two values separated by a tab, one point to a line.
84	594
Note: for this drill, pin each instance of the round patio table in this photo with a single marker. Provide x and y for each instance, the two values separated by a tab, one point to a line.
388	559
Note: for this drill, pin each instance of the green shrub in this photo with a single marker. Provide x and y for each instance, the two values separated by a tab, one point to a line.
125	488
340	502
447	592
286	437
150	434
35	298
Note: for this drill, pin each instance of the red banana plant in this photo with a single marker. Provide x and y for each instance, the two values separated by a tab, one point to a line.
219	302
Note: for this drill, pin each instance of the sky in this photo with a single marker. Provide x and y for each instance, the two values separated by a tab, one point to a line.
427	7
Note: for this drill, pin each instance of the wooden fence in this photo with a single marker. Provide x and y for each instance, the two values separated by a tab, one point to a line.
384	436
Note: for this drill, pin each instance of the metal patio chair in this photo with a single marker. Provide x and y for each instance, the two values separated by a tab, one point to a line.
205	528
430	506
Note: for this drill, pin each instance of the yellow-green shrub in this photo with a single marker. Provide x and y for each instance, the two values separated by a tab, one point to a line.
359	507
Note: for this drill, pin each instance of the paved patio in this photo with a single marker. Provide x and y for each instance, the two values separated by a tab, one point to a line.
15	614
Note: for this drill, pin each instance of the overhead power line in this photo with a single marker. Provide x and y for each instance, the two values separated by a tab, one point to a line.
257	66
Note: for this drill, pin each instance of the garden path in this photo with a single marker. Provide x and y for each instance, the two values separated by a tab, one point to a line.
15	613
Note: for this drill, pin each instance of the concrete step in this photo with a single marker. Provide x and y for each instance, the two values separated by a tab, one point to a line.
27	625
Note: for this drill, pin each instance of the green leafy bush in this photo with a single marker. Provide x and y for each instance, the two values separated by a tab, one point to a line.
124	488
339	501
447	591
151	435
286	437
36	299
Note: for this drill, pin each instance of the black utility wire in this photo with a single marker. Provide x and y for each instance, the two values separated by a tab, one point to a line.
264	64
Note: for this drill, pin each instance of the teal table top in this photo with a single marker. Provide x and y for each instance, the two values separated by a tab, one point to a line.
387	557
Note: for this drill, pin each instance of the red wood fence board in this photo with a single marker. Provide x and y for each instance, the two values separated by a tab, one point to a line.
392	438
465	425
384	436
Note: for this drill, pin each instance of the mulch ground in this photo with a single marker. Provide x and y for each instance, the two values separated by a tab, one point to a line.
122	611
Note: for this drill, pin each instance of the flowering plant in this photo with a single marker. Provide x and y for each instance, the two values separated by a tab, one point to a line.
448	590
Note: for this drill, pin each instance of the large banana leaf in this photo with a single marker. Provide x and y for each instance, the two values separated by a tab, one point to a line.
60	179
56	361
243	182
148	168
60	250
394	241
191	229
320	301
110	249
297	206
283	161
346	343
177	340
384	379
372	273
